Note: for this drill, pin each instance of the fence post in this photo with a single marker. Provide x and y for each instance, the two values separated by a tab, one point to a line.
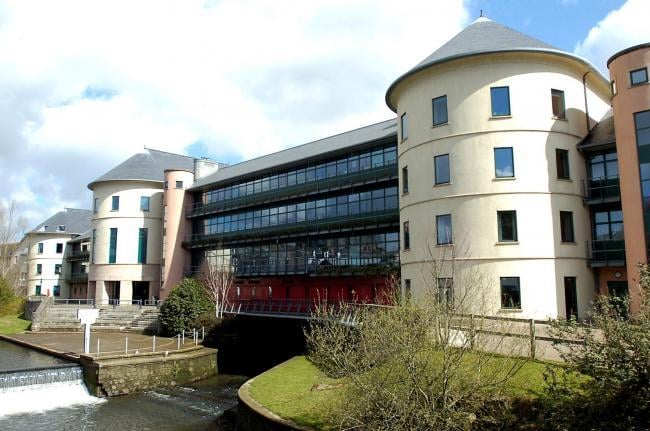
178	342
202	333
532	338
183	337
471	331
97	346
153	349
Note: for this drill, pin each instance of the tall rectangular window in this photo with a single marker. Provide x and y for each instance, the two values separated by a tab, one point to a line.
57	268
39	268
112	246
642	125
500	97
557	101
115	203
57	290
59	248
439	106
405	180
445	293
566	226
40	248
144	203
510	293
95	203
507	226
407	236
441	164
142	245
562	163
504	165
639	76
92	246
404	124
38	290
443	229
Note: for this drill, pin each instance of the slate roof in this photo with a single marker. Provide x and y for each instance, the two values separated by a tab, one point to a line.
76	221
602	135
481	37
82	238
149	166
302	152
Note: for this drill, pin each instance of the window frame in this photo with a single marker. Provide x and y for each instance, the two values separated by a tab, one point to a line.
435	169
59	245
450	240
562	163
492	94
562	113
147	199
179	184
433	111
516	306
112	245
406	232
405	180
39	248
115	203
500	236
404	127
58	269
512	162
39	269
143	238
567	227
632	72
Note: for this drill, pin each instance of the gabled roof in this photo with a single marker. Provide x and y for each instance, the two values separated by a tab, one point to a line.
601	136
74	221
148	166
483	36
302	152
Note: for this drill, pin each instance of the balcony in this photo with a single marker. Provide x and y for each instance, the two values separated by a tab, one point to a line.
601	190
77	277
334	224
606	253
369	176
78	255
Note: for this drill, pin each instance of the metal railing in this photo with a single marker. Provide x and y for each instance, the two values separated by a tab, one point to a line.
601	190
134	345
606	252
76	277
78	255
368	176
77	302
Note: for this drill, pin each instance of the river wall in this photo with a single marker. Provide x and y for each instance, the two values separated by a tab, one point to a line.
121	375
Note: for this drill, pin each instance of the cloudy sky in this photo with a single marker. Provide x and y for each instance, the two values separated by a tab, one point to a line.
86	84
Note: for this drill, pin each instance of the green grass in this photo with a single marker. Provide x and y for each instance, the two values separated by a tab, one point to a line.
13	324
289	391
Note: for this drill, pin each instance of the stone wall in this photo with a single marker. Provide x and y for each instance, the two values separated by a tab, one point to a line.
124	375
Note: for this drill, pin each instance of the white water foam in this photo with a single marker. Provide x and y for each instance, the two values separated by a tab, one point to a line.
40	398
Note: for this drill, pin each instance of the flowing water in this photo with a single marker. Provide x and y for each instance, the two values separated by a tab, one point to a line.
48	394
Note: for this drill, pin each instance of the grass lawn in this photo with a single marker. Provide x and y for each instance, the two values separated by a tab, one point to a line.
13	324
290	391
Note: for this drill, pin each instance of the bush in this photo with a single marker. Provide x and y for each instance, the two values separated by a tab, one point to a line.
186	302
9	302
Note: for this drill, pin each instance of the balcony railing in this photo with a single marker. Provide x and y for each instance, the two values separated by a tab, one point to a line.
78	255
606	253
320	265
77	277
334	224
601	190
368	176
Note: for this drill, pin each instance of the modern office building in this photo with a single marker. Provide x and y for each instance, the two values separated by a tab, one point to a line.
46	248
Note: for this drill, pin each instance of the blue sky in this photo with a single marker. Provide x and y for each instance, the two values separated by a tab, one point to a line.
85	84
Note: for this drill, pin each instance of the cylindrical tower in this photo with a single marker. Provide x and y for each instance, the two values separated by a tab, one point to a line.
488	130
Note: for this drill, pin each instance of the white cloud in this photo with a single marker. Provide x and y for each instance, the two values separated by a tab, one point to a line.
85	84
620	29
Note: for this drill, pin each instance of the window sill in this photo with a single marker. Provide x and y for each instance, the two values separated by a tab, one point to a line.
451	244
403	140
435	126
510	310
640	84
504	178
559	119
566	180
568	243
499	117
506	243
442	184
405	194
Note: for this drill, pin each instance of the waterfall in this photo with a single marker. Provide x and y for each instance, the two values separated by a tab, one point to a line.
40	389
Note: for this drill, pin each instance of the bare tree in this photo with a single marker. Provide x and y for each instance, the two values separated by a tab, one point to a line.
428	363
12	225
217	281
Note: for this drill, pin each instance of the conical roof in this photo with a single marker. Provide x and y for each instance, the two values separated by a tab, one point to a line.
481	37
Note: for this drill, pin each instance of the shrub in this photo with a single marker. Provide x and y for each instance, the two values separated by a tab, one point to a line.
9	302
186	302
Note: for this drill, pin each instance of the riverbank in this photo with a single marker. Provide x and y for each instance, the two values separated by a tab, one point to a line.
298	395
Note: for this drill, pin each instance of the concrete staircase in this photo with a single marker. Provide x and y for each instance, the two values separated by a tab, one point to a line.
63	318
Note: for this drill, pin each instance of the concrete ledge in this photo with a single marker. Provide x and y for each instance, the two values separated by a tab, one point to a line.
252	415
70	356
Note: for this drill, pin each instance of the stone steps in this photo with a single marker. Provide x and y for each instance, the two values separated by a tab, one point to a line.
111	319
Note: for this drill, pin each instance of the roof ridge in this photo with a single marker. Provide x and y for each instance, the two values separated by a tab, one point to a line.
168	152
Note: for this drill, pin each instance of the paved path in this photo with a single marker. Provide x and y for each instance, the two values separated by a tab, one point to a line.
109	342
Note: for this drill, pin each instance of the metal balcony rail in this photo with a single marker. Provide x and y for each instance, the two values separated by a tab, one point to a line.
76	277
78	255
606	252
293	308
152	302
368	176
600	190
123	302
77	302
333	223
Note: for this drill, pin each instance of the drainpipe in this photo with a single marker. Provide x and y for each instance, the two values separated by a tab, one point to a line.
584	88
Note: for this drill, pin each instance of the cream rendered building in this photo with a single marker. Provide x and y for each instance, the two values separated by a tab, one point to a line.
487	155
45	246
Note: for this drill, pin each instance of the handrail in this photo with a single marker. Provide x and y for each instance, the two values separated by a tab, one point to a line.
77	302
601	189
606	251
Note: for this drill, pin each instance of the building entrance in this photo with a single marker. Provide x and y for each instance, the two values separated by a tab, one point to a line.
141	290
113	290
